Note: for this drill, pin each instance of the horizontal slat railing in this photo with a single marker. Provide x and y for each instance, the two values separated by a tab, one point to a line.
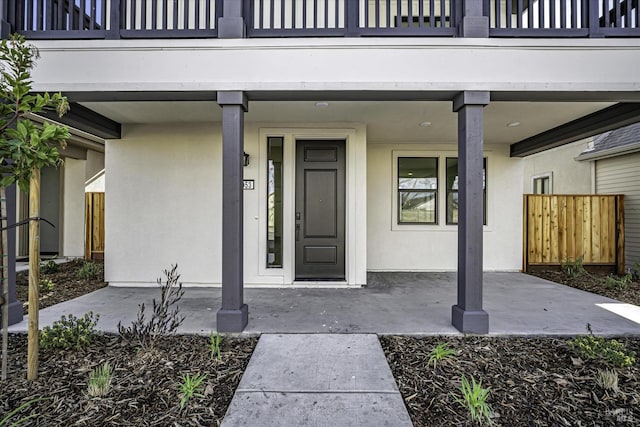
563	18
69	19
299	18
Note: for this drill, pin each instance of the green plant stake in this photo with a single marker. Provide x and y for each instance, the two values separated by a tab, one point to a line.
440	353
474	400
190	387
100	381
214	345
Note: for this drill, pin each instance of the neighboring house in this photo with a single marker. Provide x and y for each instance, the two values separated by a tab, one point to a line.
364	131
62	199
615	159
608	163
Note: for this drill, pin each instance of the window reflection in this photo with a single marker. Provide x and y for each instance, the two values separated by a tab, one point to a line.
274	202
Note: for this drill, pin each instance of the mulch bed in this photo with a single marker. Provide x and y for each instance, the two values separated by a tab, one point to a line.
595	282
67	285
533	382
145	385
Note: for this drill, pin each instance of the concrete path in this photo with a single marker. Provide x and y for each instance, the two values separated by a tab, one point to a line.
317	380
392	303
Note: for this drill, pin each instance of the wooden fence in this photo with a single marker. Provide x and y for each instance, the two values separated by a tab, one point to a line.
564	228
94	226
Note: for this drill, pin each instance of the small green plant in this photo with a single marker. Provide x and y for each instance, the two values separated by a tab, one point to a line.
46	285
8	417
440	353
190	387
610	351
574	268
635	271
474	400
214	345
100	380
621	283
89	270
70	332
608	380
49	267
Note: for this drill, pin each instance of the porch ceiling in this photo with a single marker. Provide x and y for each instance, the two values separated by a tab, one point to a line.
386	120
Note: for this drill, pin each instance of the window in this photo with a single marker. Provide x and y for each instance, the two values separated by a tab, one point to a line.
542	185
452	190
417	190
274	202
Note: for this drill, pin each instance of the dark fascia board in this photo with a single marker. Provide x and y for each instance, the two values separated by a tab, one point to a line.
609	118
86	120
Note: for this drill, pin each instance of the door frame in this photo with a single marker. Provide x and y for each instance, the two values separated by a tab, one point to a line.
355	204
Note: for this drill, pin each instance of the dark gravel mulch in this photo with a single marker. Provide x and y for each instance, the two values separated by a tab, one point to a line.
595	282
145	382
533	382
66	286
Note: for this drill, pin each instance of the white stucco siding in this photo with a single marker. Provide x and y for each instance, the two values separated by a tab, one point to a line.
621	175
163	203
73	211
568	176
339	64
393	247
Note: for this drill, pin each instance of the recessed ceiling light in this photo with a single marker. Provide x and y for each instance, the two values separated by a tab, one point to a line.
322	104
513	124
425	124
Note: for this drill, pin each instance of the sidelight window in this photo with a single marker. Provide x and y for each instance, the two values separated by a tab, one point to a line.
274	201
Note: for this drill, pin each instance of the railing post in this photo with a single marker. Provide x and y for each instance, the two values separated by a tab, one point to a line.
593	18
115	19
473	23
5	26
352	18
231	24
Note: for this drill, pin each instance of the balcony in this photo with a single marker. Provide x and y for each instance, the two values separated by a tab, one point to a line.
128	19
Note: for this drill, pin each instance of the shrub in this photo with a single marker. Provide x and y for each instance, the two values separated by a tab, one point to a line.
70	332
89	270
610	351
100	381
46	285
621	283
49	267
163	321
574	268
474	400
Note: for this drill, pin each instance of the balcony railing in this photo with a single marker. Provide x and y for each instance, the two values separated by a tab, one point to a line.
67	19
287	18
563	18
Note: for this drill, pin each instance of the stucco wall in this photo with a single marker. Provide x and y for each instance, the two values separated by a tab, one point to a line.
95	163
73	214
568	176
434	247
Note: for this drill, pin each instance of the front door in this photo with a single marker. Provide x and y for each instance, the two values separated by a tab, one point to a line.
320	210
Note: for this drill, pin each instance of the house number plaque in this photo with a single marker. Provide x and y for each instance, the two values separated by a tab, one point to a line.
248	184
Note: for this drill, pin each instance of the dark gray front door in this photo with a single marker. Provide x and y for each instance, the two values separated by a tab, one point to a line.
320	204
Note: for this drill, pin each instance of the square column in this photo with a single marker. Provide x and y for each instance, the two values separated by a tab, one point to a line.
467	315
234	313
231	23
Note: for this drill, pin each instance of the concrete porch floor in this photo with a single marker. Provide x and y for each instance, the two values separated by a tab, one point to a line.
392	303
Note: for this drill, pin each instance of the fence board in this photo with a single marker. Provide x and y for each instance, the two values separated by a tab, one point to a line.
564	228
94	225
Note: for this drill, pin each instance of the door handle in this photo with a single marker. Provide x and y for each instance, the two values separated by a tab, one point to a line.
297	232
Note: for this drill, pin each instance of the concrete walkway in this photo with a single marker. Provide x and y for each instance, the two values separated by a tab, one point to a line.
317	380
392	303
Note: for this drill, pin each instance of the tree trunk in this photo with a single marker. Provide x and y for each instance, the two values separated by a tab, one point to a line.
4	253
33	345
